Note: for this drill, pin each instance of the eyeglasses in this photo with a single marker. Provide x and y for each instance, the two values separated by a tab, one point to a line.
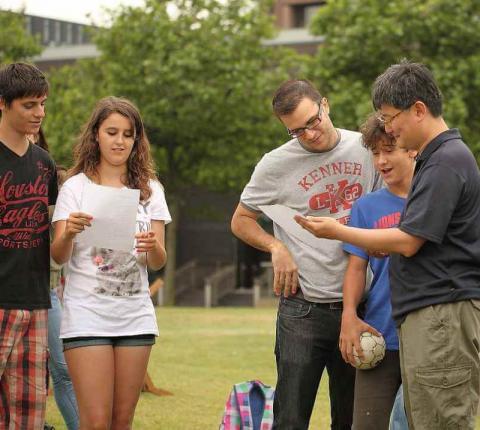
314	122
388	120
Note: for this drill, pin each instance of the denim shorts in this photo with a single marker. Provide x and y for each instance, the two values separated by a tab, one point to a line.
114	341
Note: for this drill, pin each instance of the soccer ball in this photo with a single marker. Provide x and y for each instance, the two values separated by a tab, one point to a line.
373	351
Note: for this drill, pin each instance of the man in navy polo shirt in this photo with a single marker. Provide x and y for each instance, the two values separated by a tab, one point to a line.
435	261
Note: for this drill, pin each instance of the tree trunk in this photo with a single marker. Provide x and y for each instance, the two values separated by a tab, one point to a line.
171	248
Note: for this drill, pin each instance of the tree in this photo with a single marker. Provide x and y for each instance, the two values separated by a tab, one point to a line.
362	38
74	92
15	43
203	81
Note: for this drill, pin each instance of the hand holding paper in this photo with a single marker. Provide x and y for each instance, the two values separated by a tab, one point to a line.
76	223
114	212
288	219
323	227
146	241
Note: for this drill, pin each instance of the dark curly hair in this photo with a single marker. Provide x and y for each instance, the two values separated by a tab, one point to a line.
140	167
373	132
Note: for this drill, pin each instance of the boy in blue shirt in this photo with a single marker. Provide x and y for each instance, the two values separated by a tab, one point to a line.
375	389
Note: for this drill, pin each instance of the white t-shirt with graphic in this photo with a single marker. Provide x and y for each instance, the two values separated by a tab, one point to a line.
106	291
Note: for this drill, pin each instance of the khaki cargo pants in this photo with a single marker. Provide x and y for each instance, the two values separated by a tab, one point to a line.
440	364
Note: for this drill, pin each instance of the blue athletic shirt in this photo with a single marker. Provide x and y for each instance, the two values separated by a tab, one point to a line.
380	209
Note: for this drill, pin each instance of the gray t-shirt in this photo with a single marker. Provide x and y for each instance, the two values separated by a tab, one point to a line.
317	184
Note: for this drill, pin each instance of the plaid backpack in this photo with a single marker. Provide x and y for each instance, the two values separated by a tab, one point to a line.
249	407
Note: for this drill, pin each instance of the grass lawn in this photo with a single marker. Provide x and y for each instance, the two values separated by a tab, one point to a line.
199	355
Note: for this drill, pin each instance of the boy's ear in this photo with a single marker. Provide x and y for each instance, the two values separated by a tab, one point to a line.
2	103
412	153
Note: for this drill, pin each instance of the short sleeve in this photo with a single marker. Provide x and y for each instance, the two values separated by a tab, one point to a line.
432	202
356	220
262	189
69	200
159	208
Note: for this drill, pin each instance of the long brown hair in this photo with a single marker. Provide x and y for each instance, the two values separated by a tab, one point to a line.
41	140
87	152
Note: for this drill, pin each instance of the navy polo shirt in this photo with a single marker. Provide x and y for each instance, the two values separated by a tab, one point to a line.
443	207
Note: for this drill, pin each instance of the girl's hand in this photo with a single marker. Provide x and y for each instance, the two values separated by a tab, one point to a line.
76	223
146	241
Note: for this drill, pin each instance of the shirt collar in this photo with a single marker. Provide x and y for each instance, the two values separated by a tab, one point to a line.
450	134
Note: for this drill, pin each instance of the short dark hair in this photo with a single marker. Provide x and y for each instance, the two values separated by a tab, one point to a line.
403	84
19	80
289	95
373	131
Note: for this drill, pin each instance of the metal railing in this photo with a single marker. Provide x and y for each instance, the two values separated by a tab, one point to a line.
219	284
186	277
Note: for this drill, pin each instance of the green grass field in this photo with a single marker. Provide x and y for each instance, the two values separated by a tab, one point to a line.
199	355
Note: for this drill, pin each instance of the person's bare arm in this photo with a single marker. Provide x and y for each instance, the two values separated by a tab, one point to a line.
152	243
384	240
352	325
245	226
64	234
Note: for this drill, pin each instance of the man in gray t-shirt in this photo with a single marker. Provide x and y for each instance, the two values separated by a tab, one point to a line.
321	170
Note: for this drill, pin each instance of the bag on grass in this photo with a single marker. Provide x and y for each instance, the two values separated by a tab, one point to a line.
249	407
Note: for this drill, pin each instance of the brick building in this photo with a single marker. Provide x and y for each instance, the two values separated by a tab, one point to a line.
293	18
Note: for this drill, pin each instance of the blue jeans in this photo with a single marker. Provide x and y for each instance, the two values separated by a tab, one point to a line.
62	385
398	419
306	343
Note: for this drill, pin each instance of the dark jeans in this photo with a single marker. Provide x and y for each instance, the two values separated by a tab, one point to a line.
306	343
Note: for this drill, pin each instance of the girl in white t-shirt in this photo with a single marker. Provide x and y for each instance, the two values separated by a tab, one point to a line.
109	325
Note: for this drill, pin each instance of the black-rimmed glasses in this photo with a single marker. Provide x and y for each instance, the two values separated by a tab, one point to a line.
314	122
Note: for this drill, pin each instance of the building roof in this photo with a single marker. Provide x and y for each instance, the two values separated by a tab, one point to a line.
294	36
67	52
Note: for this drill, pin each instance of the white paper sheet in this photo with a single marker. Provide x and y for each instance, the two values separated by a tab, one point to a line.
114	212
283	216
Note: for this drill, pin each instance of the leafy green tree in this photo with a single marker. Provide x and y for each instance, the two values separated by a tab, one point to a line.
203	81
74	91
15	43
364	37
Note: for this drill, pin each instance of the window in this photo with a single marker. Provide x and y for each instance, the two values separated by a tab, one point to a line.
303	14
28	24
69	33
46	31
58	32
310	12
80	35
